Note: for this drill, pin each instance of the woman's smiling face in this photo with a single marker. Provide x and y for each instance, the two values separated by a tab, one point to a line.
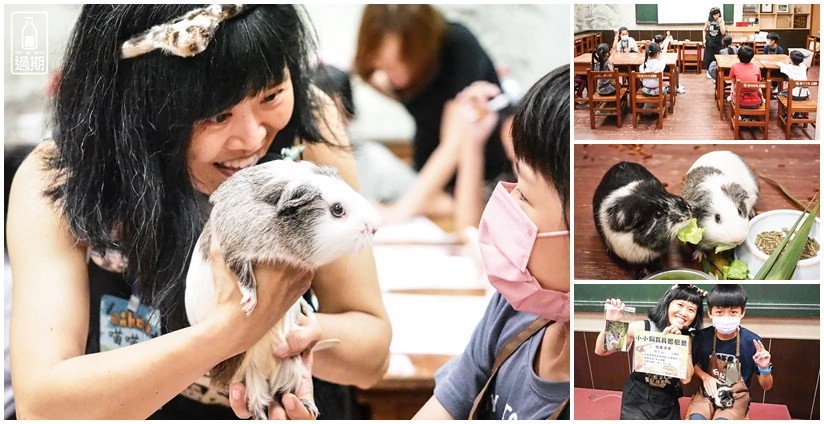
238	137
681	313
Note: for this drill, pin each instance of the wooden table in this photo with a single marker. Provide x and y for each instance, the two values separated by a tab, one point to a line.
769	64
796	167
434	295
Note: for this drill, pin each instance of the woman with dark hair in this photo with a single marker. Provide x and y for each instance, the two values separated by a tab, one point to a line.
412	54
156	107
712	32
648	396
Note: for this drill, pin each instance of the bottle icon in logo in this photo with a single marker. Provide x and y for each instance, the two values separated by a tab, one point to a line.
29	34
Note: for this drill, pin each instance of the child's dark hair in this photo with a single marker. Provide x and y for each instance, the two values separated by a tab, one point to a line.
652	50
599	56
622	29
773	36
540	131
745	54
713	11
335	82
658	39
688	292
727	42
727	296
123	127
796	57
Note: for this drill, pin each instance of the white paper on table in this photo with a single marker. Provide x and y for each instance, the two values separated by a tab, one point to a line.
432	324
418	267
416	230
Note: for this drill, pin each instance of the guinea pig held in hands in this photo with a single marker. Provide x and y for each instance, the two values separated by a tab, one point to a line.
280	211
636	218
722	190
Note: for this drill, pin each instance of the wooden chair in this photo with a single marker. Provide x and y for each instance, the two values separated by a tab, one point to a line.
691	55
721	103
763	111
605	105
638	99
814	46
787	108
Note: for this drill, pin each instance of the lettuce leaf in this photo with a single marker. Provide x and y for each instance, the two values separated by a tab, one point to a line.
692	233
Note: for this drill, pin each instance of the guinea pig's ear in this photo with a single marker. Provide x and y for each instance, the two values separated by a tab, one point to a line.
295	196
736	192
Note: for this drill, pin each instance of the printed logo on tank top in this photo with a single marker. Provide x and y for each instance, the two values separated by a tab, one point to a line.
123	324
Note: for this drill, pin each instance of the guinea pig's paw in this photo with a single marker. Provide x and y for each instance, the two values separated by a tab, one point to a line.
249	300
699	255
310	405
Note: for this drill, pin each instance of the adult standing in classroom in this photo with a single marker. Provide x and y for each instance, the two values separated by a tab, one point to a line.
713	32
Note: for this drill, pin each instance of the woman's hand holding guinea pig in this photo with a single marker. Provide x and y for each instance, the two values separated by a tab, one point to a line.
286	285
290	406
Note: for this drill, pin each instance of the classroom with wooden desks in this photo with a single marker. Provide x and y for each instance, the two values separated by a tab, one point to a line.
616	87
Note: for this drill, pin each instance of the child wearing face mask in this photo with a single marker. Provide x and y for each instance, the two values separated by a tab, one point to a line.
727	354
623	43
648	396
516	365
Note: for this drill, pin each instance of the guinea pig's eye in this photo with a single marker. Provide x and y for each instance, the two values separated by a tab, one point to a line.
337	210
659	213
718	218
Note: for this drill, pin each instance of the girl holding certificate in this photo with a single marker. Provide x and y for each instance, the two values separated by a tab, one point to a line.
649	396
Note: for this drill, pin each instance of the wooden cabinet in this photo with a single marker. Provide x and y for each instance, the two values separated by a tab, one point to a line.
778	16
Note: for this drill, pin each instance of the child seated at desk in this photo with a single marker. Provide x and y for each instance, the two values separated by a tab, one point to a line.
521	227
795	69
664	44
600	62
746	71
772	46
623	43
653	63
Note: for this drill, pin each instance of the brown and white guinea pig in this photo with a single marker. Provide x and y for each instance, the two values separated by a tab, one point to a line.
722	190
280	211
636	218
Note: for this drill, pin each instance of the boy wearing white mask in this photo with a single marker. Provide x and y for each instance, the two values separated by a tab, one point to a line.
516	365
727	355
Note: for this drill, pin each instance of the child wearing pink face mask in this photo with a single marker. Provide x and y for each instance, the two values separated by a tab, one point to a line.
516	365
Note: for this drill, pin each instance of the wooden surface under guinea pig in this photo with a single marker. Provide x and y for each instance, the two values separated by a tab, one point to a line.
796	167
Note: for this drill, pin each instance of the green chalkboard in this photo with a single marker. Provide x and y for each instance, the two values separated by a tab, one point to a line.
766	300
648	14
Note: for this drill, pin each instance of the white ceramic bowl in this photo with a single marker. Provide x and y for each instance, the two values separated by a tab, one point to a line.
807	269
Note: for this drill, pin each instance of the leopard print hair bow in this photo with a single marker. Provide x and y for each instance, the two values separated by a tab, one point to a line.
185	36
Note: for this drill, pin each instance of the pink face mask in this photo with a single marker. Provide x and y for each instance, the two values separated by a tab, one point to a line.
506	236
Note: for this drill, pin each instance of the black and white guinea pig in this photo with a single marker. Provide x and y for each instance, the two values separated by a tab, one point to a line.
292	212
722	190
636	218
724	397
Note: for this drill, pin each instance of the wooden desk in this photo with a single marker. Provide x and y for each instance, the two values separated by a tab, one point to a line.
434	295
769	64
796	167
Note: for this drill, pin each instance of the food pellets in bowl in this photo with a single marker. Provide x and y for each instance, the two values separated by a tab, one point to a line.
777	220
